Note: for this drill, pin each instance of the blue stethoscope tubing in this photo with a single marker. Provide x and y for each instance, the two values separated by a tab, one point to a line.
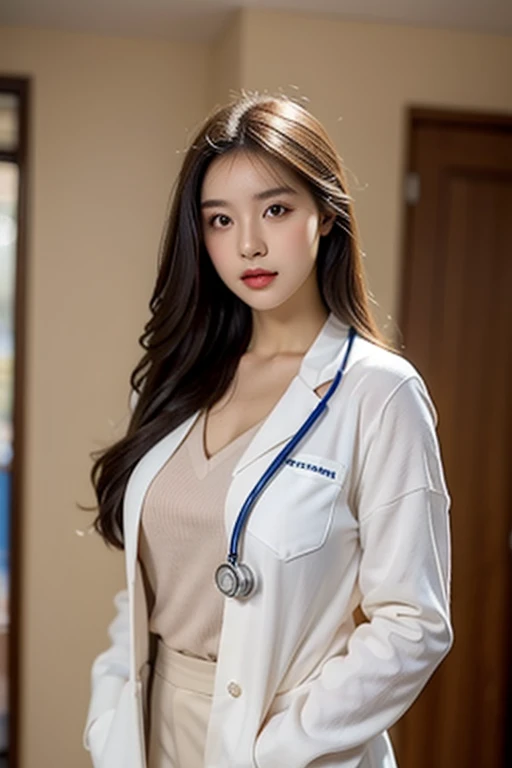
283	455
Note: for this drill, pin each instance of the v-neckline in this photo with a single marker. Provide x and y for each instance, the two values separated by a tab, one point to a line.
226	448
204	463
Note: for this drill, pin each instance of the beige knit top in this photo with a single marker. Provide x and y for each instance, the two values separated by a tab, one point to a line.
183	540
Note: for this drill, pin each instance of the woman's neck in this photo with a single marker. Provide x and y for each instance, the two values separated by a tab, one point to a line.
279	332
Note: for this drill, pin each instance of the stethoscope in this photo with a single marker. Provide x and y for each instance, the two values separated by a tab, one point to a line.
236	579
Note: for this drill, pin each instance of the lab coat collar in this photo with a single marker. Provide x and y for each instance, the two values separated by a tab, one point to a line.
318	366
324	356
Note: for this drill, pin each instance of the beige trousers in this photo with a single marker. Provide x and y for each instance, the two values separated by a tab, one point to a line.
181	698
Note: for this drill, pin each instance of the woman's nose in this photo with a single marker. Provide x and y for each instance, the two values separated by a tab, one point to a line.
251	242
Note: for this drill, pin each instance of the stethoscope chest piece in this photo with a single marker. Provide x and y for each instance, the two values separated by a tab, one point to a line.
234	579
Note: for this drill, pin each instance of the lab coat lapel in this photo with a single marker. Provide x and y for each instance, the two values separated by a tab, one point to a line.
283	421
319	365
138	483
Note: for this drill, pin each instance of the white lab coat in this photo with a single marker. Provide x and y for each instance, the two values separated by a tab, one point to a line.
359	516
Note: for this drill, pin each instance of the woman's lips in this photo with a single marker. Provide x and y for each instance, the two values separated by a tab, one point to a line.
259	281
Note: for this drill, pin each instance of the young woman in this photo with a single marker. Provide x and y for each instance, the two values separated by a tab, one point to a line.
280	469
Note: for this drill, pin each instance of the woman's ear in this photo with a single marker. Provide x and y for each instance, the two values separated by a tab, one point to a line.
326	223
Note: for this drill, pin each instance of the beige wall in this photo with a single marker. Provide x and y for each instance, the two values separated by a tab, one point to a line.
359	79
109	117
226	63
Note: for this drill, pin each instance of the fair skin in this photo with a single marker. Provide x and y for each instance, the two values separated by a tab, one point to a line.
256	213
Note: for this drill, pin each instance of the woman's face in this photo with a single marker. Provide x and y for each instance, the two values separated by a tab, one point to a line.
258	216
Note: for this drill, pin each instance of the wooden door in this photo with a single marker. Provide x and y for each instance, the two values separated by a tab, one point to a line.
456	319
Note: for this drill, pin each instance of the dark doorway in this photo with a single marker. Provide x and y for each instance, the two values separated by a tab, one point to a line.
14	93
456	318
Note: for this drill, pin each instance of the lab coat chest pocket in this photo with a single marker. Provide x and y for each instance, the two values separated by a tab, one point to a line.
294	513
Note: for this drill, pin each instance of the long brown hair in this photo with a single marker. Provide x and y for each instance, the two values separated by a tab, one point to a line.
198	329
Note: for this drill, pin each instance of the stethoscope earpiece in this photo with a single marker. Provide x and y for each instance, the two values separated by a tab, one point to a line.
234	579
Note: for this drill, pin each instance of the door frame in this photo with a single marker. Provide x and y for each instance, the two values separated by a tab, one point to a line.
462	119
21	87
436	116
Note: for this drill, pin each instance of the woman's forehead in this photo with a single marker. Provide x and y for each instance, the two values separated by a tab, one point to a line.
249	168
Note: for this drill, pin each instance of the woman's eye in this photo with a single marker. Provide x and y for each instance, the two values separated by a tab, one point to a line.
276	210
220	220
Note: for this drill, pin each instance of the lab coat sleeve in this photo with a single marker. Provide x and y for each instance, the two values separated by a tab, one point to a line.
402	506
110	670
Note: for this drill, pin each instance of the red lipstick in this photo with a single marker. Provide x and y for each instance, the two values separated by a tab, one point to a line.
258	278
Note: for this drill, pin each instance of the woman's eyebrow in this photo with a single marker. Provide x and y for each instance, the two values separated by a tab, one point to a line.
284	190
259	196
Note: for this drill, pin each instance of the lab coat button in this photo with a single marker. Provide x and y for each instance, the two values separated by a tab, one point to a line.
234	690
